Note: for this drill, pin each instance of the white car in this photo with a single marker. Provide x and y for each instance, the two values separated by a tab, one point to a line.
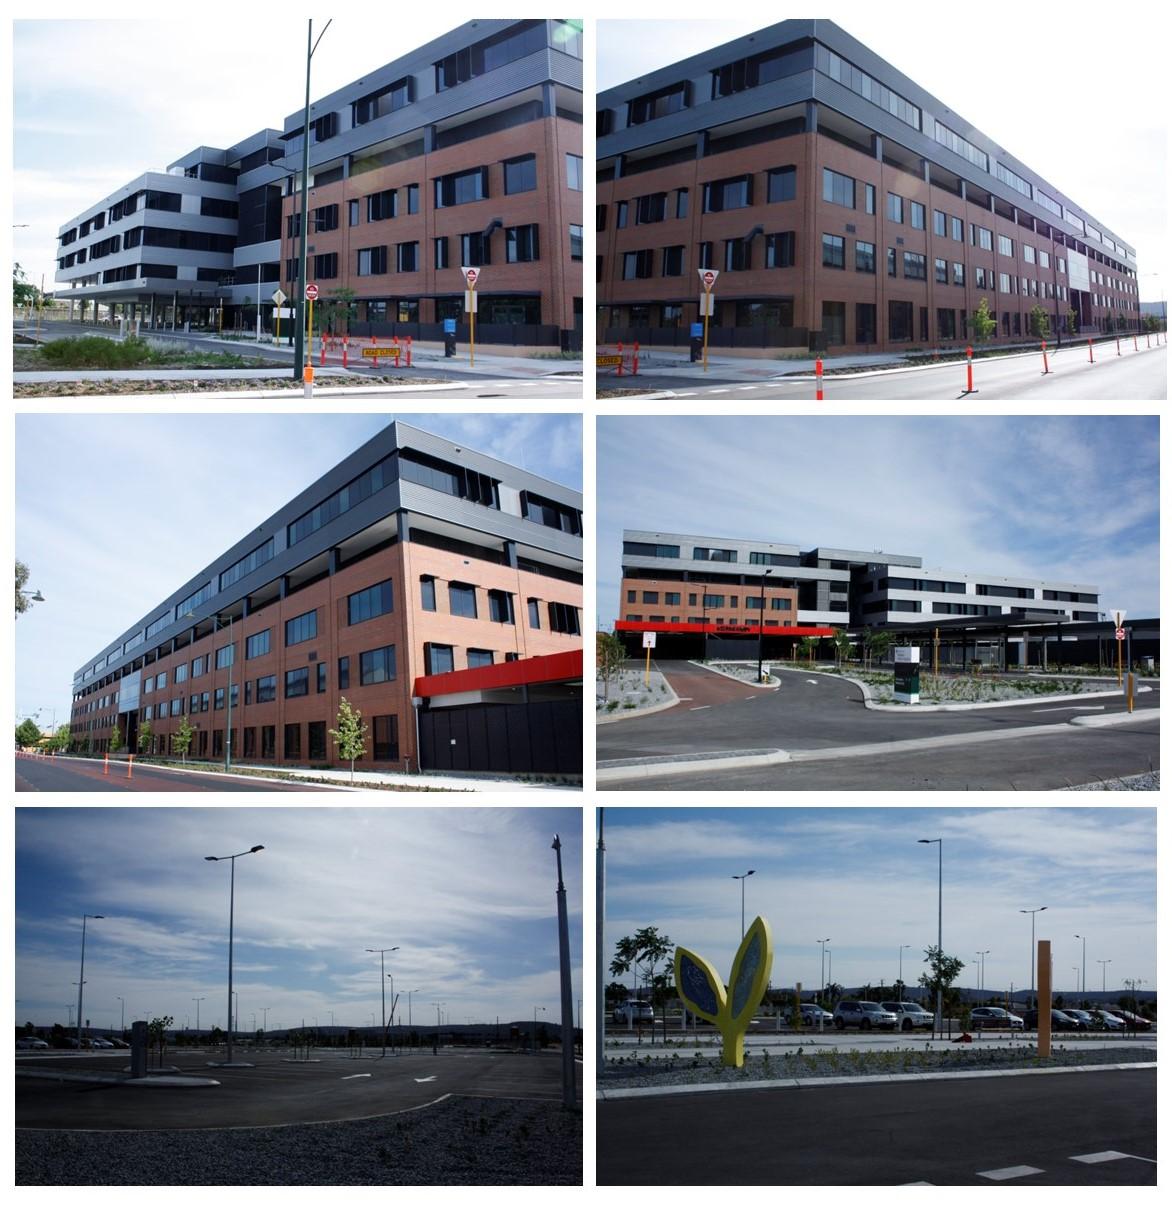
101	1043
30	1041
910	1015
636	1012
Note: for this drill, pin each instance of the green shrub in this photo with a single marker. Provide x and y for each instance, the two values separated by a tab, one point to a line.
95	352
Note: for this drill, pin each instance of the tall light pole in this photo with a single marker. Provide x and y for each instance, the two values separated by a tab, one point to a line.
265	1025
981	956
409	993
822	998
1104	964
939	929
231	924
1032	913
81	977
760	641
742	878
902	948
197	1001
535	1010
122	1032
600	947
380	951
1084	961
566	984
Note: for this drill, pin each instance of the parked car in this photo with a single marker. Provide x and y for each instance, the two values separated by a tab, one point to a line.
119	1043
995	1016
1133	1020
98	1042
813	1015
1059	1021
1108	1021
910	1015
1083	1016
26	1042
636	1012
863	1015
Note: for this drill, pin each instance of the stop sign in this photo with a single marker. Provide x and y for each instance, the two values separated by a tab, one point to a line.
311	292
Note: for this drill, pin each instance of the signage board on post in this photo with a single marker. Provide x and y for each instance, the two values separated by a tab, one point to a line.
311	292
279	297
649	641
907	674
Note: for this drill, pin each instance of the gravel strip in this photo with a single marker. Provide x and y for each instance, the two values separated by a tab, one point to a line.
1148	782
709	1071
459	1142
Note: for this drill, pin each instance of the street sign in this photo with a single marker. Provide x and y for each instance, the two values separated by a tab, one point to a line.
311	292
471	275
906	660
708	276
707	304
609	361
470	300
1117	616
649	641
279	297
1120	634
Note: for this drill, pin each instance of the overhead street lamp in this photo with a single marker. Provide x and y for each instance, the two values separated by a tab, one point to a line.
535	1010
1084	961
902	948
822	944
122	1033
761	637
939	929
381	952
981	956
231	925
197	1001
1104	964
1031	913
742	878
81	976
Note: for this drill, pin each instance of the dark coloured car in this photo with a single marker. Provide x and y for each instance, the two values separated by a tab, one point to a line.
1059	1021
1083	1016
1132	1020
995	1016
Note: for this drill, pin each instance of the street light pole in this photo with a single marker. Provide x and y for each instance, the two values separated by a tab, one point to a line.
1084	961
122	1032
822	998
197	1001
81	977
231	925
760	638
981	956
742	879
566	984
1104	964
382	985
1031	913
902	946
939	929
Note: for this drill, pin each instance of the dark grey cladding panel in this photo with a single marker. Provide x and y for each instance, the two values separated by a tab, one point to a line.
565	69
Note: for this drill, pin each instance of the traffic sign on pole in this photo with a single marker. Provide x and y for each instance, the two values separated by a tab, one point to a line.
471	275
311	292
1120	634
279	297
707	279
708	276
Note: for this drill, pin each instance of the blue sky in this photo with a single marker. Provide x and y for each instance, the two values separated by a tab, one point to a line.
1072	499
114	512
468	896
859	878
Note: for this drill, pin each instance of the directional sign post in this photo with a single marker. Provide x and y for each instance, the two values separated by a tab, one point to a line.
1117	616
707	279
648	645
471	276
310	297
279	301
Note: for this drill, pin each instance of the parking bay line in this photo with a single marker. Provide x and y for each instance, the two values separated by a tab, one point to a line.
1009	1173
1110	1155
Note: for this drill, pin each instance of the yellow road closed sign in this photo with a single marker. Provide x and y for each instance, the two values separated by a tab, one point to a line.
608	362
385	350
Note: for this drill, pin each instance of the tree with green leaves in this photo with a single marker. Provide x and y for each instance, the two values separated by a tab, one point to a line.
146	737
1039	322
982	322
807	646
350	736
842	646
340	304
181	738
115	739
1071	323
24	600
24	292
609	656
942	971
157	1030
646	948
28	733
877	642
61	739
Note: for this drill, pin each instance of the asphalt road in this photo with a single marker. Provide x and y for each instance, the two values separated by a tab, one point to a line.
944	1133
277	1092
36	774
1131	376
835	742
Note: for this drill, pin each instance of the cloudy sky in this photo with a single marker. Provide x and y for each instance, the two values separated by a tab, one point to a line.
1091	121
1072	499
114	512
859	878
467	895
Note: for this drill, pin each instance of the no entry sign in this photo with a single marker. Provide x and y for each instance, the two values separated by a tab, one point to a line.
311	292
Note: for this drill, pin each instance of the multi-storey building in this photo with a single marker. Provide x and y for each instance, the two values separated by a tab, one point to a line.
464	152
435	588
671	580
842	205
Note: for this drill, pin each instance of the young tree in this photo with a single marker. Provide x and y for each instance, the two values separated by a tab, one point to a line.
1071	323
610	654
842	646
807	646
116	739
181	738
350	736
942	971
28	733
983	324
1039	323
157	1030
340	304
61	739
24	292
877	642
145	737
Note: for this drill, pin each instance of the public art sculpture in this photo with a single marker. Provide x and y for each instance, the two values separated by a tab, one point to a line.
729	1010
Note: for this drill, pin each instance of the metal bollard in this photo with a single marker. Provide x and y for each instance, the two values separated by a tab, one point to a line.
106	764
130	768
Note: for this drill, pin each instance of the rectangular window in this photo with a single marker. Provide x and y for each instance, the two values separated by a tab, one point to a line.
574	172
257	645
343	674
386	738
354	218
479	658
899	320
1004	245
247	692
181	673
652	207
917	216
838	189
733	193
834	328
427	593
460	188
780	249
865	323
864	256
781	184
297	683
957	274
292	741
704	254
266	689
475	249
321	677
268	742
521	174
383	205
500	607
620	211
941	272
946	324
407	257
673	261
891	262
737	255
204	698
638	265
833	251
441	252
869	198
250	742
521	244
372	261
301	628
376	666
939	223
438	658
981	237
1027	253
462	600
915	266
198	666
563	618
575	240
317	741
894	207
371	602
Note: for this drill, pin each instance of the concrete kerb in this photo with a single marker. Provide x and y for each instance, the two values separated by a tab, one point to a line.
625	715
716	762
771	684
810	1083
164	1081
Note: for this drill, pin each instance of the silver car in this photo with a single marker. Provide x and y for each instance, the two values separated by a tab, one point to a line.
910	1015
863	1015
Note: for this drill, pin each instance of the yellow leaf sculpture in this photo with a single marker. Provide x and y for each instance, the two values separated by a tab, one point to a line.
730	1011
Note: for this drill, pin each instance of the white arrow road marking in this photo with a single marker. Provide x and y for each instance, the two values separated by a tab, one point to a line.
421	1080
815	683
699	708
1073	708
351	1076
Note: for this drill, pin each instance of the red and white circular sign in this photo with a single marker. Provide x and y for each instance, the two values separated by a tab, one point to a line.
311	292
1120	634
709	279
471	275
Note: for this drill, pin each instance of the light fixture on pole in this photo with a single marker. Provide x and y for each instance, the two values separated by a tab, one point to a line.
81	977
939	930
742	878
409	993
1032	913
535	1010
382	983
566	983
197	1001
822	997
1084	961
1104	963
231	925
981	978
902	946
760	640
122	1032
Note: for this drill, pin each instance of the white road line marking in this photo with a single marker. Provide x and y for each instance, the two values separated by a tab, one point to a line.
699	708
686	699
1110	1155
1073	708
1008	1173
421	1080
813	681
351	1076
